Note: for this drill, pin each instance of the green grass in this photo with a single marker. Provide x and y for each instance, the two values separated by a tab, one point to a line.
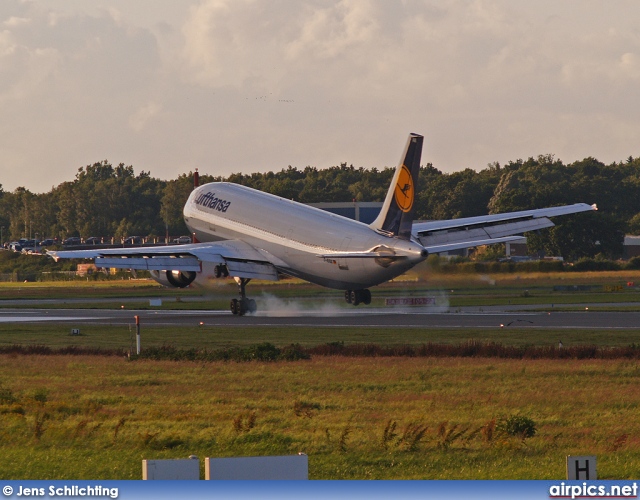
190	336
78	417
458	290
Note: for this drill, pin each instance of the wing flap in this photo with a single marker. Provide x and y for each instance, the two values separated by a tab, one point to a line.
242	260
150	264
470	244
488	233
487	220
257	270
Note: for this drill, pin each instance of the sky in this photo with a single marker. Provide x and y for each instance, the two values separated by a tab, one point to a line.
254	86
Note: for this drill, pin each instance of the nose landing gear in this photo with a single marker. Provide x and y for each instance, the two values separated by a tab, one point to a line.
357	297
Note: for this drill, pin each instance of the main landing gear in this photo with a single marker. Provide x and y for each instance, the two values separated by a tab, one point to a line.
220	271
356	297
243	305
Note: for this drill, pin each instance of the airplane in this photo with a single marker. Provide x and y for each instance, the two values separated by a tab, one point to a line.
249	234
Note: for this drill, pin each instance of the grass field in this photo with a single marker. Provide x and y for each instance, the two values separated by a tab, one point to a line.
97	417
449	290
190	336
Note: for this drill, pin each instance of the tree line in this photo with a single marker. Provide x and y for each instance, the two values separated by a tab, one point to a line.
113	201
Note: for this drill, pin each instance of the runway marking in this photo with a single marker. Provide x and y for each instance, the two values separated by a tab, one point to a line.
408	327
365	325
31	319
320	314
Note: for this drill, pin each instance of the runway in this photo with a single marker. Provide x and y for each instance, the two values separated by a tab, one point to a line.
363	318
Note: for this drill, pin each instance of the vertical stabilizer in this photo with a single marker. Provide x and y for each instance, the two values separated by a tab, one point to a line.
396	216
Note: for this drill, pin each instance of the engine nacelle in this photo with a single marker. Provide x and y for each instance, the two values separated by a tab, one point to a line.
181	279
175	279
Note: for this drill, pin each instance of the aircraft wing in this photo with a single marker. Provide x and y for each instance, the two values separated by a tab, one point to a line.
242	260
454	234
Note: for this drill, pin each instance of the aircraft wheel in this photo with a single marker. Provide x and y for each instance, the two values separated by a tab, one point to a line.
225	271
217	271
366	297
234	306
347	296
242	307
252	306
355	297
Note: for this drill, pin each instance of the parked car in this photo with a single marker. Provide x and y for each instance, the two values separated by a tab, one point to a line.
182	240
93	240
30	246
133	240
47	243
74	240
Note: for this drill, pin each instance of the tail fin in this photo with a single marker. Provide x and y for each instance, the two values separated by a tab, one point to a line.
396	216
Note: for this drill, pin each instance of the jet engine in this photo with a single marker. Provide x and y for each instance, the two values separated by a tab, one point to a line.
175	279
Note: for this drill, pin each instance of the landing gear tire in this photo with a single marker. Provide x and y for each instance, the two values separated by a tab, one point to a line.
243	305
237	307
220	271
357	297
252	306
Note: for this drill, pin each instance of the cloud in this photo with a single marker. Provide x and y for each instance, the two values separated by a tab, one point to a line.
333	31
23	69
312	82
16	21
143	115
70	82
232	42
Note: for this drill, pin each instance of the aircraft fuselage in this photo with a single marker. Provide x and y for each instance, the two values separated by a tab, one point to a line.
298	239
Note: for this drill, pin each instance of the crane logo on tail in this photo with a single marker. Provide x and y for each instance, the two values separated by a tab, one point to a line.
404	190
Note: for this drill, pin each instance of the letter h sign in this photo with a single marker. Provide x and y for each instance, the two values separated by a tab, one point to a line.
579	468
